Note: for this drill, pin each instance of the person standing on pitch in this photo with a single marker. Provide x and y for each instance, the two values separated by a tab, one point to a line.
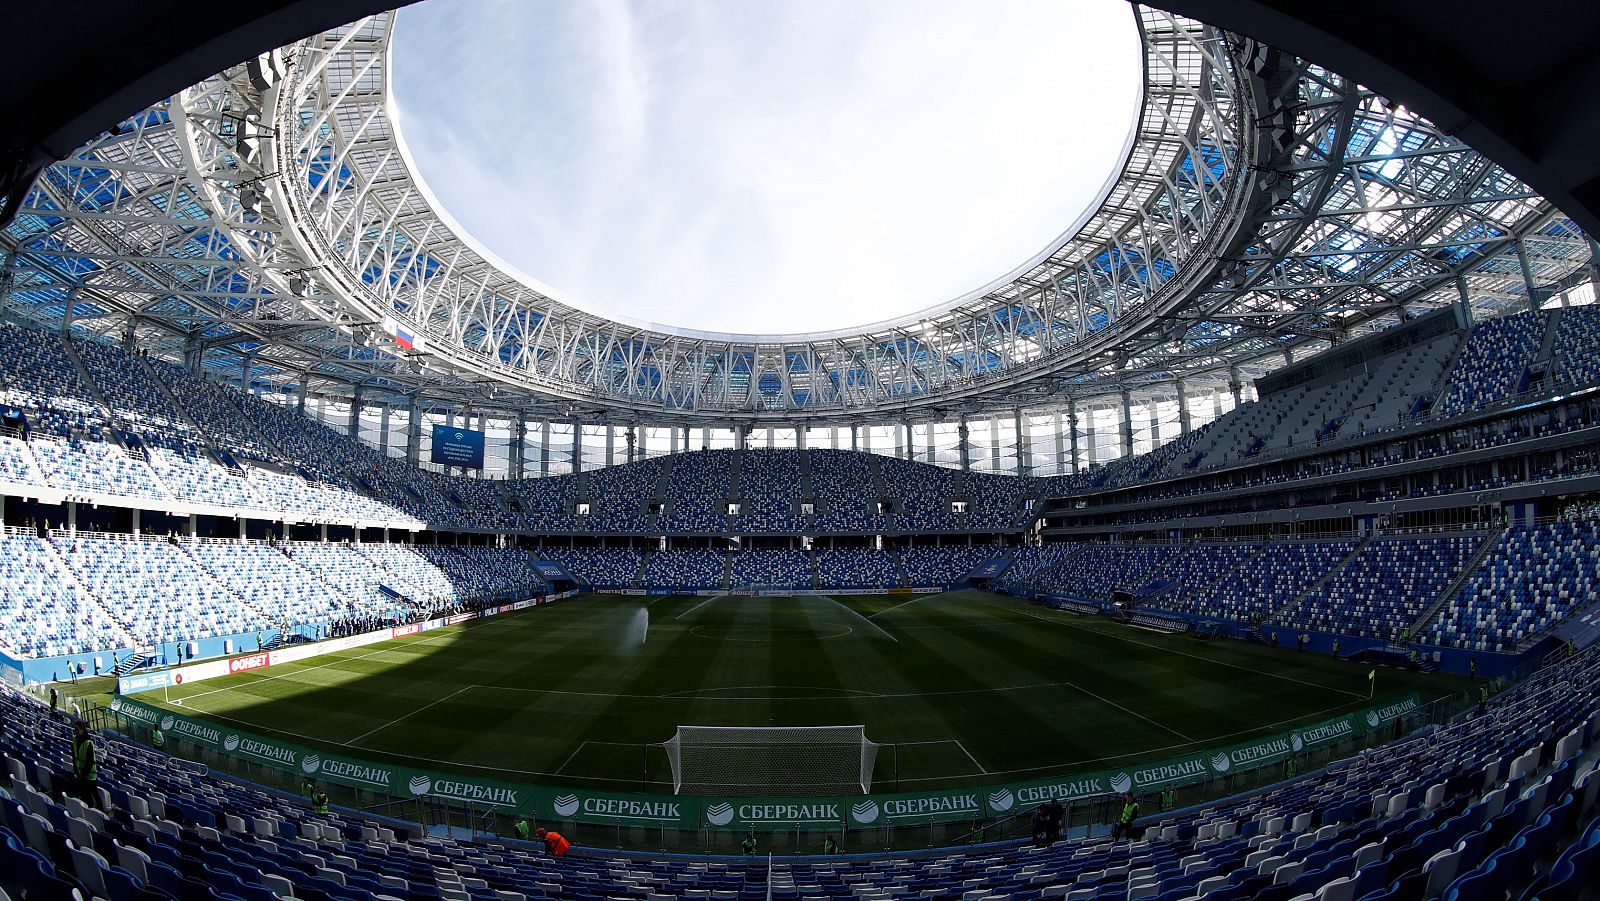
829	846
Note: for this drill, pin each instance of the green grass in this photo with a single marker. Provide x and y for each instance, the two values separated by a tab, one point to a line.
971	687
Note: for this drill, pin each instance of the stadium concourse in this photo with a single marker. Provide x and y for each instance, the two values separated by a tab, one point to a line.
1313	375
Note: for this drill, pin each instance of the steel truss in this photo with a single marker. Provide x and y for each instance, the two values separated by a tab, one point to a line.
266	225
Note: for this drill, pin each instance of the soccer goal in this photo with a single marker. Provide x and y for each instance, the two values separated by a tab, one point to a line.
771	760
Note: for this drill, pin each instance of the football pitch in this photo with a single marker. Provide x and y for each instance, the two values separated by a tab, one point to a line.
968	688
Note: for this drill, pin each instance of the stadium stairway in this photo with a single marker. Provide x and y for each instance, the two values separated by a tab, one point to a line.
880	484
219	585
1204	588
1490	541
134	660
166	391
1441	381
807	488
1316	586
71	353
82	587
735	471
663	474
1545	358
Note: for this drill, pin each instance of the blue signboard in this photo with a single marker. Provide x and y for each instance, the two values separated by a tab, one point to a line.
990	569
551	571
453	446
143	682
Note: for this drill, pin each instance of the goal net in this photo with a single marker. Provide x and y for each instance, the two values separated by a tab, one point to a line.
771	760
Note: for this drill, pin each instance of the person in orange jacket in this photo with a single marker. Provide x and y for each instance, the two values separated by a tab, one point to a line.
555	844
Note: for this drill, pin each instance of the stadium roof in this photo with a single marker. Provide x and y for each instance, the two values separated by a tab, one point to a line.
268	221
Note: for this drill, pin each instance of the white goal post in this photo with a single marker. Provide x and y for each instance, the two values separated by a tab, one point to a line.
771	760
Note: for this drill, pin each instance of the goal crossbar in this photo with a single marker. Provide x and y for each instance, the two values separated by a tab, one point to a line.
774	760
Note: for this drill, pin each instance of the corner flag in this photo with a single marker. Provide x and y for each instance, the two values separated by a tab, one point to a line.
1372	682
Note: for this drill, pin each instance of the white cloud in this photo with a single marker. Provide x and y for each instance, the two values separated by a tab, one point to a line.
764	167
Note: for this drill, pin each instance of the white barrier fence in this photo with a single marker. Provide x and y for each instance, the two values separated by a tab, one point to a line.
212	669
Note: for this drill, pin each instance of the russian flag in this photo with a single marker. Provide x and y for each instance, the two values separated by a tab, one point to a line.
404	339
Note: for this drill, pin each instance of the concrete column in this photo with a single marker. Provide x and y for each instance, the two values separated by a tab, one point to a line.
544	448
1127	423
906	446
855	437
192	354
1023	447
1463	303
633	443
519	446
247	362
961	439
1527	276
413	432
383	430
1071	447
1235	386
611	444
740	435
1183	409
1091	454
136	520
450	422
577	445
799	437
356	397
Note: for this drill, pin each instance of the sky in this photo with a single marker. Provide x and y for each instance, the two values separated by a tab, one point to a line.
758	166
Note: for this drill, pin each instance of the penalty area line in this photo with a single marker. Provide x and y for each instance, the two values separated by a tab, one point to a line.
970	757
715	597
571	757
903	603
870	624
351	742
